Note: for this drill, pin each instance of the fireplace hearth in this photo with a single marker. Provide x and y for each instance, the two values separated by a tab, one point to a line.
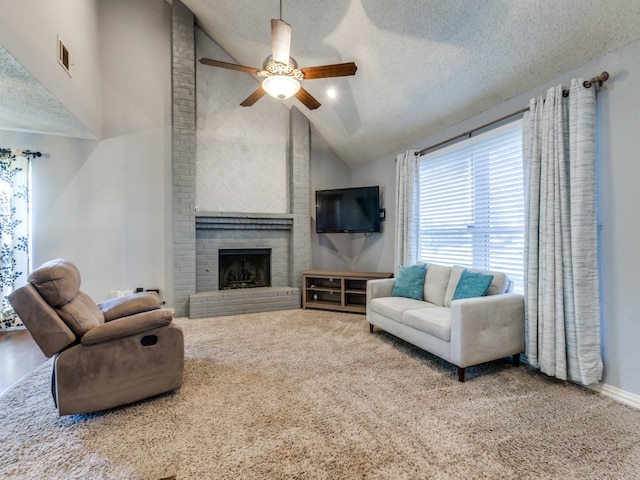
244	268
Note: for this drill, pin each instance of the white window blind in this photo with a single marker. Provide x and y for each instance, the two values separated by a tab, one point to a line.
472	203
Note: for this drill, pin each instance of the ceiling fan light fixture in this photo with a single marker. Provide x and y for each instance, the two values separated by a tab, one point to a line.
280	73
281	86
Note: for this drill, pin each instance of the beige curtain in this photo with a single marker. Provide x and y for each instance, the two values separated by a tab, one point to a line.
407	209
561	273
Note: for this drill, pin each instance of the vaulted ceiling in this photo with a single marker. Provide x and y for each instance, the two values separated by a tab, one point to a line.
423	65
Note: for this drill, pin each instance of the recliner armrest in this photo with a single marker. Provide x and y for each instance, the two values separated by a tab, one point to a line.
127	326
129	305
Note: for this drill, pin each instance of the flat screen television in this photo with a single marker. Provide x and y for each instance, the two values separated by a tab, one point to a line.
348	210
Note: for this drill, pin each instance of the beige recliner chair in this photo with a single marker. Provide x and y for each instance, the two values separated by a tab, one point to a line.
106	354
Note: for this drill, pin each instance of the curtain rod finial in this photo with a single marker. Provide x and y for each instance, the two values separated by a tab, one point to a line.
600	79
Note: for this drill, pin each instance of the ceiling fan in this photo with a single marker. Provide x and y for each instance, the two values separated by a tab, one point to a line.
280	71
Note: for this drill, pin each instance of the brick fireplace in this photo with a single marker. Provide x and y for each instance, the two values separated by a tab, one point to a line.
222	234
288	235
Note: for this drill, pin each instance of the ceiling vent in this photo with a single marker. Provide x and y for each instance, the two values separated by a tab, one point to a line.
64	57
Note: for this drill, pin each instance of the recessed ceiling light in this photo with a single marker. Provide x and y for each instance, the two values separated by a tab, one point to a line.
331	93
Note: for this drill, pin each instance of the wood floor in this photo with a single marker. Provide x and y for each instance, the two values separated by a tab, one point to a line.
19	356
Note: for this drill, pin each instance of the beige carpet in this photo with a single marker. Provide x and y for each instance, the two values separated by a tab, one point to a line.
314	395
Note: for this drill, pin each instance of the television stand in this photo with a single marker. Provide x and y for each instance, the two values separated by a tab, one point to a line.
337	290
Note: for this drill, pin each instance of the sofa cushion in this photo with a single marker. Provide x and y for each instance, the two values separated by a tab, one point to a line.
394	307
472	284
435	321
499	284
410	281
435	283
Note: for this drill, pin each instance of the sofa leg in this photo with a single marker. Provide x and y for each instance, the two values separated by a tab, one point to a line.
371	327
461	374
516	360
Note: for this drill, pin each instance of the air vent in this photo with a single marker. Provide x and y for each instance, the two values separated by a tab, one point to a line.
64	57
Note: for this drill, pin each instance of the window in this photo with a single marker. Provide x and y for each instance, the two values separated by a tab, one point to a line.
472	203
14	229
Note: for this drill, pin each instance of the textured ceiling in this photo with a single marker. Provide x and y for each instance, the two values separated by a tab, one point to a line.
422	64
25	105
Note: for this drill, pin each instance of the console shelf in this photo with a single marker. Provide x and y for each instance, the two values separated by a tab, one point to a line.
337	290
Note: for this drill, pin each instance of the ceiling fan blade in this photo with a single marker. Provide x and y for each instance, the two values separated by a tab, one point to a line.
230	66
254	97
326	71
280	40
307	99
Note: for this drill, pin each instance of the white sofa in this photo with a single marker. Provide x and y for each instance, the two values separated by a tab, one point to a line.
464	332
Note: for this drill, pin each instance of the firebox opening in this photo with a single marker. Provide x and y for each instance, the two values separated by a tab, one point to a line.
244	268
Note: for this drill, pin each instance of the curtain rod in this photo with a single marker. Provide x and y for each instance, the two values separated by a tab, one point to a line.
24	153
29	153
600	79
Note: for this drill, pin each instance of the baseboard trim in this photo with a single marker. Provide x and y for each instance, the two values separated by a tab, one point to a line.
607	390
617	394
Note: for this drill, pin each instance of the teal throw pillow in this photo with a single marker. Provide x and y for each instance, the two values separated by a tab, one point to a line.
410	281
472	284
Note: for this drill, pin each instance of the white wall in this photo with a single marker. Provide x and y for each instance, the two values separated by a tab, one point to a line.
106	205
29	30
357	251
375	253
619	197
329	251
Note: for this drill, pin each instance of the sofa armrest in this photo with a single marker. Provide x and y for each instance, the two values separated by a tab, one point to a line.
127	326
129	305
379	288
486	328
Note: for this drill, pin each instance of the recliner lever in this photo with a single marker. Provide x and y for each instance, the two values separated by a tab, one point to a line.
148	340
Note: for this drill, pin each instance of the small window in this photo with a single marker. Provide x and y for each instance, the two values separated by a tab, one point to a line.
472	203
